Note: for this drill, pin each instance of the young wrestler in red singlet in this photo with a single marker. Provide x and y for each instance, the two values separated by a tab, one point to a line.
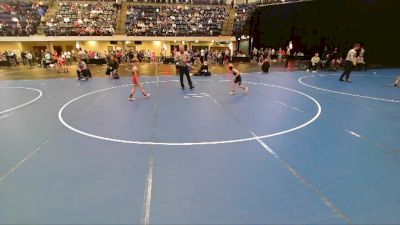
136	83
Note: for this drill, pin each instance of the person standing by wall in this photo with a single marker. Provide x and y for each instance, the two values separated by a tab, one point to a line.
351	61
23	57
360	60
29	58
68	57
202	55
81	55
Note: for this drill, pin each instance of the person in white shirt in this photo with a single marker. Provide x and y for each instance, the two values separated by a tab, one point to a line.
148	55
255	52
68	57
202	54
29	58
47	57
351	61
182	59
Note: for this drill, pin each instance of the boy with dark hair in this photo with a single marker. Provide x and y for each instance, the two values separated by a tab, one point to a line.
237	80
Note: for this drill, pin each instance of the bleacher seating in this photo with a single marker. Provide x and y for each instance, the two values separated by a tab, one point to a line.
178	20
243	13
90	18
20	18
197	2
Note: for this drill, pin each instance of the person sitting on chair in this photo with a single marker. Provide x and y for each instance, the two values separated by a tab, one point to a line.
315	62
204	70
112	69
83	71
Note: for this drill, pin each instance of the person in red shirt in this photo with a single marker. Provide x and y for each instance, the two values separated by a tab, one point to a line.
61	62
136	83
91	55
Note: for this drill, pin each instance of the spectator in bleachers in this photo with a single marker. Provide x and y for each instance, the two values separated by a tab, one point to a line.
20	18
243	13
81	18
175	21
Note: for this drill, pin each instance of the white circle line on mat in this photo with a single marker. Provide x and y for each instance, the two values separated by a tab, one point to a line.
315	117
344	93
27	103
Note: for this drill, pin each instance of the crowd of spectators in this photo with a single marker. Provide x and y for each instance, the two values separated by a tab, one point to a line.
266	2
96	18
8	58
239	53
262	53
14	58
202	55
215	56
21	18
197	2
327	58
175	20
333	60
242	14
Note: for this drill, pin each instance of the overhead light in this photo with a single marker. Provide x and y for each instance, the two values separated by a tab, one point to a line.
212	41
238	39
197	41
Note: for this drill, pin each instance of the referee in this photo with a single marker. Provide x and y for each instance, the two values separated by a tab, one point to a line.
351	61
182	59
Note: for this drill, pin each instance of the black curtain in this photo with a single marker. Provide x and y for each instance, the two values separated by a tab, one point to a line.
335	23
